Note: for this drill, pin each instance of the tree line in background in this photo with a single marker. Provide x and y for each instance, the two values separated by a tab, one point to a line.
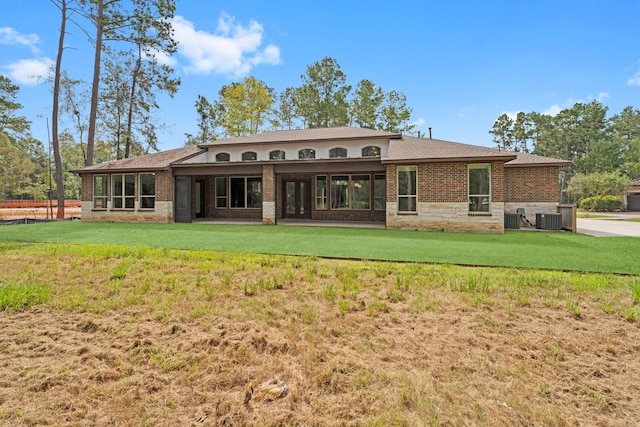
324	99
605	151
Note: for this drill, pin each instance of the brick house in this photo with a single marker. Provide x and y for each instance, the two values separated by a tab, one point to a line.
334	174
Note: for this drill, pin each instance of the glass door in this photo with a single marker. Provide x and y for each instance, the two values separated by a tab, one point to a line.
297	199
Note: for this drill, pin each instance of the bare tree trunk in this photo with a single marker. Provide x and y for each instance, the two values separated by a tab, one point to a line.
54	115
95	84
134	82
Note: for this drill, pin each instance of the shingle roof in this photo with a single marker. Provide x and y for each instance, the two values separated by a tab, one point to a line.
635	182
526	159
154	161
411	148
303	135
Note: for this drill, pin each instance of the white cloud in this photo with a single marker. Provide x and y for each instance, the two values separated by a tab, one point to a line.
419	122
553	110
9	36
511	115
465	111
30	72
232	49
634	80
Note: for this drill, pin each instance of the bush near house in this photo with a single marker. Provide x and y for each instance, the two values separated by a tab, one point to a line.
601	204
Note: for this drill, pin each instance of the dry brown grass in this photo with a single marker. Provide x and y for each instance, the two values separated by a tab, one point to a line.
134	336
38	213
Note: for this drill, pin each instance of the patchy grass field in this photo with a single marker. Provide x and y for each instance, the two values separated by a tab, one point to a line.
114	335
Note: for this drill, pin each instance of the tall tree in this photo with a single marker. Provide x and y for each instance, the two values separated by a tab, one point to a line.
207	119
395	114
9	121
97	15
284	114
366	104
502	132
57	76
244	106
150	30
322	99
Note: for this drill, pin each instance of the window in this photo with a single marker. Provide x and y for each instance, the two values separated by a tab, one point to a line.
221	192
321	192
307	153
223	157
100	192
249	156
371	151
407	189
147	190
351	192
245	192
123	191
337	153
379	192
479	187
276	155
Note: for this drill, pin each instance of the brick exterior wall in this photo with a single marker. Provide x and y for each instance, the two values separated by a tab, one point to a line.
443	199
532	184
162	212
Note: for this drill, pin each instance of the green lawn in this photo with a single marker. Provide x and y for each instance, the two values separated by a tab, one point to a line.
539	250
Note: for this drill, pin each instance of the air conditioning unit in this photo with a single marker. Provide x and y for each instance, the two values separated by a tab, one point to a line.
512	221
548	221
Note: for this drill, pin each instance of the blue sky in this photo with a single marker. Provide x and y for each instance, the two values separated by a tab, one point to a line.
460	63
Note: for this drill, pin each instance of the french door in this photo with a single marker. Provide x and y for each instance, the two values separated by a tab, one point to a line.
297	198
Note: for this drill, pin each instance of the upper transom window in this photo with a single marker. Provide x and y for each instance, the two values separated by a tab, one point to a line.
307	153
249	156
277	155
371	151
337	153
223	157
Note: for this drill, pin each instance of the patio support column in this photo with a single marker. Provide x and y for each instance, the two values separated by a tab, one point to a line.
268	195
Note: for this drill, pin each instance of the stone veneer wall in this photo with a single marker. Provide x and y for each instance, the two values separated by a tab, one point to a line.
446	217
268	195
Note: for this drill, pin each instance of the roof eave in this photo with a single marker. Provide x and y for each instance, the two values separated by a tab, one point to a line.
502	158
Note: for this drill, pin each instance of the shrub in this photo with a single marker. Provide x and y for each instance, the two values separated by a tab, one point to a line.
601	204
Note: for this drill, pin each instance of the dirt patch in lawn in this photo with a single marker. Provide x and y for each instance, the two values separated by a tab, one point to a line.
196	340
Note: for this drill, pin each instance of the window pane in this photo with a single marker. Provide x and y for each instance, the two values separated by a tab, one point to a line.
339	152
221	192
479	179
371	151
129	185
249	156
321	192
117	185
223	157
339	192
307	153
407	204
147	184
254	192
147	202
129	202
277	155
237	193
99	185
407	180
361	185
